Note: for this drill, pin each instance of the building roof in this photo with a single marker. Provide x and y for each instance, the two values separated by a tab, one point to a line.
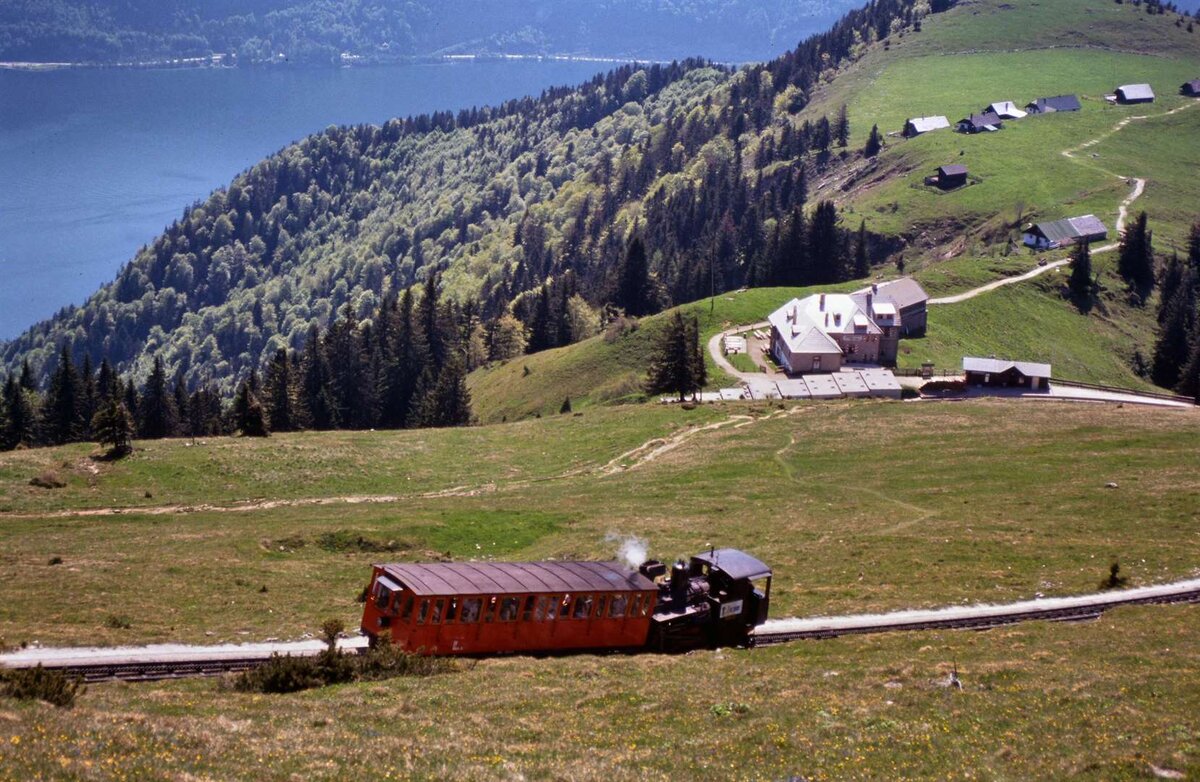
1006	109
1070	229
1135	92
793	388
926	124
952	170
1055	103
1088	225
879	379
904	292
988	119
996	366
851	383
502	578
734	563
806	324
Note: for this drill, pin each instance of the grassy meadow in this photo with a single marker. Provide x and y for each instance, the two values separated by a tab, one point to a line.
858	506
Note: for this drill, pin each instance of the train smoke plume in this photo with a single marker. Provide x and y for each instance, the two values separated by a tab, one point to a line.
633	551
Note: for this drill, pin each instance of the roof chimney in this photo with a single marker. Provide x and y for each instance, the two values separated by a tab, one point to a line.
822	302
826	320
874	288
870	301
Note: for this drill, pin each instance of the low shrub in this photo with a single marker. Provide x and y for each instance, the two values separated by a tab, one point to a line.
41	684
47	480
386	661
117	623
283	674
280	674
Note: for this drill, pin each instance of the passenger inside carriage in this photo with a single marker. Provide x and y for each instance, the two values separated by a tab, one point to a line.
470	610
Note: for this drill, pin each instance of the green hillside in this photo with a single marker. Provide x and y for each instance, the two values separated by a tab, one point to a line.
1031	321
1019	52
857	507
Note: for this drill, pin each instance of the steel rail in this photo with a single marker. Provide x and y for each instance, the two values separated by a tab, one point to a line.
835	627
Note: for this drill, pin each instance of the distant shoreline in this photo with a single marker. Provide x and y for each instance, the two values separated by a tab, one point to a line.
348	61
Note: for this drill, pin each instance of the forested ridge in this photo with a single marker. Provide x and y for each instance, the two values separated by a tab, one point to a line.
319	31
543	220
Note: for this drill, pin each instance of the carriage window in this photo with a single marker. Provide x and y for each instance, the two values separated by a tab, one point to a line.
422	612
634	602
508	608
601	604
382	596
489	610
528	612
470	610
647	604
452	609
436	619
583	607
564	608
545	608
406	605
616	608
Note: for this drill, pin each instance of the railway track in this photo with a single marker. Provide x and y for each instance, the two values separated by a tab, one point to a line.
158	663
1070	609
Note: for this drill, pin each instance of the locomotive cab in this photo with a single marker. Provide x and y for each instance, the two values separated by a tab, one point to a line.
713	600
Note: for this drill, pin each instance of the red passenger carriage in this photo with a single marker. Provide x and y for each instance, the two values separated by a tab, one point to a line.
490	607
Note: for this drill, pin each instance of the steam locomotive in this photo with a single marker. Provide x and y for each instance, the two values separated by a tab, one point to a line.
475	608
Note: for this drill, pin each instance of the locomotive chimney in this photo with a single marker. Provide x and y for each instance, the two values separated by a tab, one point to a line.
679	580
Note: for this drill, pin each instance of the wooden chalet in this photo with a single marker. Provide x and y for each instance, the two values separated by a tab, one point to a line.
980	123
948	177
1134	93
1061	233
918	125
1053	104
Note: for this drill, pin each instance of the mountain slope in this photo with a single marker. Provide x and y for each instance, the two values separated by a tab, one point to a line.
494	200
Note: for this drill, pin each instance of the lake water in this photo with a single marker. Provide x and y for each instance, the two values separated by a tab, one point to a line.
96	163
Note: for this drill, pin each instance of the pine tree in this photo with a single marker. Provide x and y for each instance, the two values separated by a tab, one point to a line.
448	402
89	399
158	416
674	367
1177	319
113	425
62	410
825	246
278	382
874	143
1189	374
1135	259
319	405
106	383
27	382
429	316
862	260
248	415
634	293
18	423
841	128
1080	282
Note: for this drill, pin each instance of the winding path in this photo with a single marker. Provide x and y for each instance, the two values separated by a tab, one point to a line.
1139	186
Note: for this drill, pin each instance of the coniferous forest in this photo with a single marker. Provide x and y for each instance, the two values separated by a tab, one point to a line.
502	230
